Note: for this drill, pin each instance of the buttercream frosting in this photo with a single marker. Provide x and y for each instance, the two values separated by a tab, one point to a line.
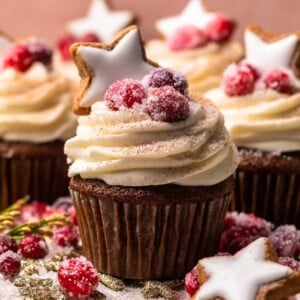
35	106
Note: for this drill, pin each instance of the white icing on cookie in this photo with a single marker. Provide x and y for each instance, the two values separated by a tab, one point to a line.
125	60
266	56
194	14
240	276
101	20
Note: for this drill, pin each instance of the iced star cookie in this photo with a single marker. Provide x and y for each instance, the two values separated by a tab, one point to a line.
260	100
125	56
253	273
197	43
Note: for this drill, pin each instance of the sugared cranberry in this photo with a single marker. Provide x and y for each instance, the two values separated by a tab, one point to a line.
167	105
254	71
286	240
191	283
63	45
187	37
7	243
10	264
163	76
72	214
290	262
77	277
90	38
125	93
238	80
33	246
18	57
242	229
220	28
33	211
66	236
40	51
278	81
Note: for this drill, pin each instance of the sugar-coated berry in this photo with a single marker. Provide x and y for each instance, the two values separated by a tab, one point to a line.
254	71
10	264
187	37
63	45
242	229
18	57
290	262
90	37
220	28
33	246
66	236
286	240
279	81
163	76
191	283
7	243
40	51
166	104
77	277
124	93
238	80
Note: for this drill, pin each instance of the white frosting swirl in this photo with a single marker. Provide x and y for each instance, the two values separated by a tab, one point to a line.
203	66
35	106
128	148
265	119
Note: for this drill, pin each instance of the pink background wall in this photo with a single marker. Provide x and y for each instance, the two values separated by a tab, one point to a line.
46	18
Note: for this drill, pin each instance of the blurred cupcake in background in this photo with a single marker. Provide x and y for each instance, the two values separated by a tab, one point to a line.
197	43
35	119
100	24
260	100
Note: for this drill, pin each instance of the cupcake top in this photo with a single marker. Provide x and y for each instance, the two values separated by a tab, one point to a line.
195	40
34	101
260	97
138	124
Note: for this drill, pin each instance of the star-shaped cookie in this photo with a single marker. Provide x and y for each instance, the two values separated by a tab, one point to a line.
101	20
266	51
250	274
100	65
194	13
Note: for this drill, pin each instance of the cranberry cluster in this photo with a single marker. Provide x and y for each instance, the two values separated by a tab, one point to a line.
186	37
162	94
66	40
22	55
241	79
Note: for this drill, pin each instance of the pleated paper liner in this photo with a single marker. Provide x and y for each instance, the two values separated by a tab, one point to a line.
37	170
141	239
268	185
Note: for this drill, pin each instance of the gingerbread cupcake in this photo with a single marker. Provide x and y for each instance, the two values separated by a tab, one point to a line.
260	100
101	23
35	119
151	169
197	43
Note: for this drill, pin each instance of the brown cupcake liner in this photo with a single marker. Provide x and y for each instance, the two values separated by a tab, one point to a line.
148	241
274	196
42	178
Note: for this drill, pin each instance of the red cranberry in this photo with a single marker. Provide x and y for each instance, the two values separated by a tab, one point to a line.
191	283
124	93
63	45
10	264
66	236
220	28
278	81
167	105
40	52
187	37
77	277
7	243
163	76
90	38
33	246
18	57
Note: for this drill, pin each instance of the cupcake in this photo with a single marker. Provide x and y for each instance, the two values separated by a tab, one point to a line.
101	23
260	100
35	119
151	169
196	43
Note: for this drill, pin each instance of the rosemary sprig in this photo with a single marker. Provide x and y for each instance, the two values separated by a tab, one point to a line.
7	216
40	227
